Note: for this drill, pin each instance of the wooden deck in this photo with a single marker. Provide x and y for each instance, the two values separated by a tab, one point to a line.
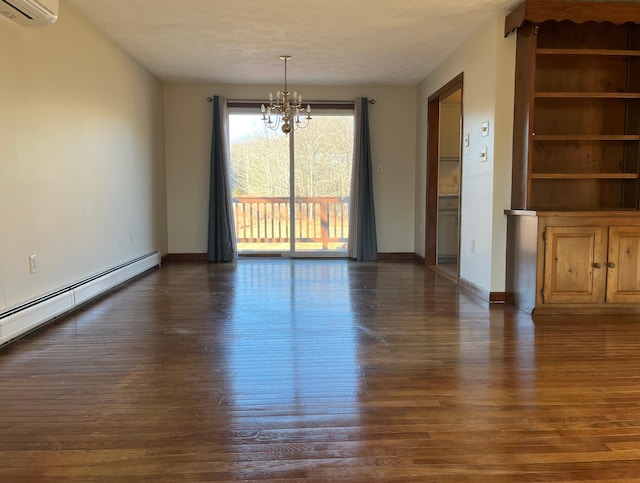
321	222
327	371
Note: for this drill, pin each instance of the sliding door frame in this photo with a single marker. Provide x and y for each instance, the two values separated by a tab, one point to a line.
316	107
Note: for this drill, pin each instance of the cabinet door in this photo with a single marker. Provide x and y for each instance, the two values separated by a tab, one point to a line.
623	277
447	235
574	265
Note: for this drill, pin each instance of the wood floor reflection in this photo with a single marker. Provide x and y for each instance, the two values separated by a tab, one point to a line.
324	370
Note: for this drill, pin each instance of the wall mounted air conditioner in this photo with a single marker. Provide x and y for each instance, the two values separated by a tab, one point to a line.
30	13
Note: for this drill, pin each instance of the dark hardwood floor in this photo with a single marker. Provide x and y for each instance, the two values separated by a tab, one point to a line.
279	370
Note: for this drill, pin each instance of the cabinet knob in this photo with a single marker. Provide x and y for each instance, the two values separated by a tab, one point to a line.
597	265
611	265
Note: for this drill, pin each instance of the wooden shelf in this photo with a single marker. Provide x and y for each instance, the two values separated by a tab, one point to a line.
588	95
585	176
585	137
577	108
576	156
613	52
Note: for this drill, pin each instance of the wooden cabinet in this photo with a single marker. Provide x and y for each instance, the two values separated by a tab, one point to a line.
573	272
591	265
447	228
573	241
578	262
623	265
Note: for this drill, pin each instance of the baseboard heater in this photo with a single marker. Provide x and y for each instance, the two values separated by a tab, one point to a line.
27	317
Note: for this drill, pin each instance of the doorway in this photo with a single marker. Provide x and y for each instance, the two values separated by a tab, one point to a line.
291	193
444	168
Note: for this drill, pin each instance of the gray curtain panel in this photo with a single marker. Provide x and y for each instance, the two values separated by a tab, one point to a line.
221	246
363	245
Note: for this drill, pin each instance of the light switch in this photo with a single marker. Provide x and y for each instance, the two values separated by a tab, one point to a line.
483	154
485	128
467	141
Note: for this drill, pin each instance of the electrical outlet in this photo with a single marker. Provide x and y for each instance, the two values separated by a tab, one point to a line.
379	169
33	267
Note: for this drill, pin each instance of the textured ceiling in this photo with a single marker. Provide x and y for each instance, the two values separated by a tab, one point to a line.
332	42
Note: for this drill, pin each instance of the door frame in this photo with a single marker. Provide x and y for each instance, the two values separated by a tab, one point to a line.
433	158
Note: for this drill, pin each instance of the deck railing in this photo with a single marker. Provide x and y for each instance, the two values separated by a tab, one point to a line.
319	219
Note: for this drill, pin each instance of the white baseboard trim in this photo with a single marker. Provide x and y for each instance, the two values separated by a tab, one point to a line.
27	317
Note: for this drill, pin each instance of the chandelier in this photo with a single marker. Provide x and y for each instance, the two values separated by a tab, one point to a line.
283	111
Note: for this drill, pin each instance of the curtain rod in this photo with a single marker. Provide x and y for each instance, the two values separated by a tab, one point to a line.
249	101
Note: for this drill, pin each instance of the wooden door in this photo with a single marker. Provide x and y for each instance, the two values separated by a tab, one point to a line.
575	265
623	270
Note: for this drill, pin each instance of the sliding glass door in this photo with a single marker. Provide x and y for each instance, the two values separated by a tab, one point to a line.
291	192
260	184
322	175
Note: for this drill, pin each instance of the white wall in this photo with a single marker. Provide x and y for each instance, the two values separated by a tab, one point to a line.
81	157
487	60
450	135
449	145
188	142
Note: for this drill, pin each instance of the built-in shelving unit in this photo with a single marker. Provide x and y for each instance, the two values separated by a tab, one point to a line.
582	111
576	152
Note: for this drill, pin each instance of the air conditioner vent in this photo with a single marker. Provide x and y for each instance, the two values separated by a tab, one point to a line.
30	13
